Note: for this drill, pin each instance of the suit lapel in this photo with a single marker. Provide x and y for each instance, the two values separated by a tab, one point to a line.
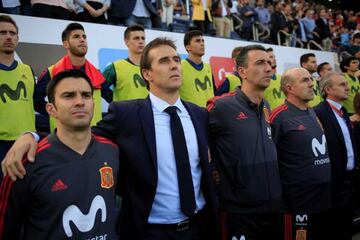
148	125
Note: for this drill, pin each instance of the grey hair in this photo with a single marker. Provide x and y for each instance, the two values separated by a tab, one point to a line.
327	81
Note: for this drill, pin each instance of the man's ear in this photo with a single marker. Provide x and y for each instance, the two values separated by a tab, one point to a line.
51	110
146	74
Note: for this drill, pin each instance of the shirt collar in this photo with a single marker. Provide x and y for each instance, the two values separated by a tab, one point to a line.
160	105
335	104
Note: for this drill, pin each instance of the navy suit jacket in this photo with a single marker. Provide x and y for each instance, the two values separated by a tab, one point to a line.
130	124
336	146
124	8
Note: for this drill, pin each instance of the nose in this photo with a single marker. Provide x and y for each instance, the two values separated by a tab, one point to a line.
268	67
79	100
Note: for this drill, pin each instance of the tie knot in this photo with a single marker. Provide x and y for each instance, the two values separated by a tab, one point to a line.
171	110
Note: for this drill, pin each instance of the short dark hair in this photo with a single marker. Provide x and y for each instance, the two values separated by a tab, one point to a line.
346	63
190	34
269	49
236	51
321	66
357	103
145	61
131	29
356	35
69	28
8	19
242	57
305	58
75	73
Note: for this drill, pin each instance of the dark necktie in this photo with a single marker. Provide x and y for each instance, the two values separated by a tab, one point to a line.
186	188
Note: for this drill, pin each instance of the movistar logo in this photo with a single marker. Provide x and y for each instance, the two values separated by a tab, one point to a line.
318	147
202	85
83	222
277	93
354	90
12	94
301	218
139	81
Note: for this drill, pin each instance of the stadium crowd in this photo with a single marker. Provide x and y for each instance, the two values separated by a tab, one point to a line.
298	22
278	155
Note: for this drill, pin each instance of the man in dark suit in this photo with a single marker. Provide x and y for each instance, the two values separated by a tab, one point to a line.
342	152
135	11
164	180
323	29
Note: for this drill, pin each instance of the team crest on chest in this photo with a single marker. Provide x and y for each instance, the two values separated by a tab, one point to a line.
107	177
266	114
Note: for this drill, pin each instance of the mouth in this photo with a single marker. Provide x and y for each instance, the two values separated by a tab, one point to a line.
79	113
175	76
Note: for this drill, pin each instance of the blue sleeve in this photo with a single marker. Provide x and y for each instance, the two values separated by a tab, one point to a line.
40	92
223	88
110	82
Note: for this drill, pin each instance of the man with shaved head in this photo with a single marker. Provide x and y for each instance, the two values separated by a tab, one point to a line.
303	158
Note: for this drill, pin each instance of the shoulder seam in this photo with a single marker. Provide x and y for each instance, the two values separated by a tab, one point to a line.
211	102
277	111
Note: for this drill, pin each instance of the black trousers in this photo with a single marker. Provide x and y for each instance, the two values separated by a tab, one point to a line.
48	11
252	226
187	230
85	16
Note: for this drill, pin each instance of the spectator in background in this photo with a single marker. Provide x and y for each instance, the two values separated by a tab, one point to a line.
323	29
133	12
10	6
168	11
249	16
344	38
201	15
350	66
52	9
310	26
354	48
262	13
221	14
300	29
278	21
291	24
92	11
156	18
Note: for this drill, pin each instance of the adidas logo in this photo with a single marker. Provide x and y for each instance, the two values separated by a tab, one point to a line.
241	116
58	185
301	127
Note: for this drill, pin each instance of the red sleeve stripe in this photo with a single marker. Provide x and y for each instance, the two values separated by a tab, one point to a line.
43	142
4	193
104	140
211	102
42	148
276	111
288	227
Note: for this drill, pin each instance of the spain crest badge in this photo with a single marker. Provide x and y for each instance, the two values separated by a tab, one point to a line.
107	177
300	234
